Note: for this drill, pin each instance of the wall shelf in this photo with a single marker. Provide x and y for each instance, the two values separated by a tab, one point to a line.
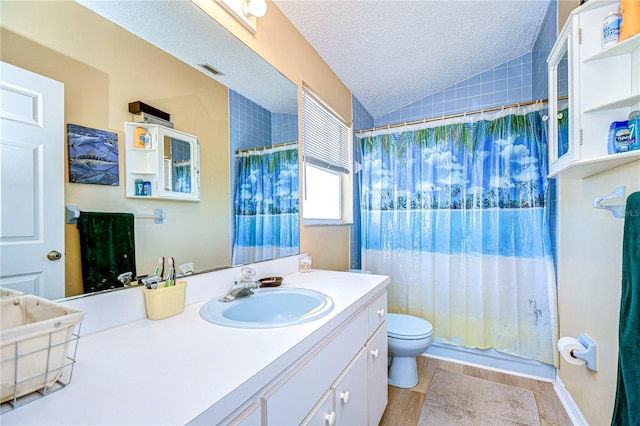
622	48
620	103
583	169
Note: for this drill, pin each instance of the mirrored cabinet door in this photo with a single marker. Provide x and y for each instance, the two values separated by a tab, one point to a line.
161	163
562	150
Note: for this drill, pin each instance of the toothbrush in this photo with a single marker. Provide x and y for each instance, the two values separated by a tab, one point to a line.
170	281
171	274
161	262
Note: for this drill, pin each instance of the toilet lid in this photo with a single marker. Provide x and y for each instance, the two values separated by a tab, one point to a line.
408	327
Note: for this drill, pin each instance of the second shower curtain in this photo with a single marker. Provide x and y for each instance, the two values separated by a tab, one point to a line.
266	205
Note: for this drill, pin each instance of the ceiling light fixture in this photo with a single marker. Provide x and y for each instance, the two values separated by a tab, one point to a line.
245	11
256	8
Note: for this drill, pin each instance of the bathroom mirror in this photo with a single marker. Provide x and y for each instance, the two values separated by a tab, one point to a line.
198	231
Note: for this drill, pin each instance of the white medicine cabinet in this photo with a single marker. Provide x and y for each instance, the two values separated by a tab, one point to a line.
167	167
601	86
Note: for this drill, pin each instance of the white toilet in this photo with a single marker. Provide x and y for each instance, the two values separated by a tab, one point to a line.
409	337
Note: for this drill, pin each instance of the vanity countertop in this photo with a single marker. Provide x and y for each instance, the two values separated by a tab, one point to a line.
172	370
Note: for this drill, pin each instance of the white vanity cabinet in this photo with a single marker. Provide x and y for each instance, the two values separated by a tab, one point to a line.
170	164
342	381
603	85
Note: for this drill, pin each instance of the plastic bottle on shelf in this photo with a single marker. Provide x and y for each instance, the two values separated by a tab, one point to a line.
610	30
629	19
147	140
619	137
634	130
138	137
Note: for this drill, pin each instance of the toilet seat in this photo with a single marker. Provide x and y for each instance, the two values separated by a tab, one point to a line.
408	327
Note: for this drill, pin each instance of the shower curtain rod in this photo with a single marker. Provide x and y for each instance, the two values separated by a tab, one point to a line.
259	148
460	114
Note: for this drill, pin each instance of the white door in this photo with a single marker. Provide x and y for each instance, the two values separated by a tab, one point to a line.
31	183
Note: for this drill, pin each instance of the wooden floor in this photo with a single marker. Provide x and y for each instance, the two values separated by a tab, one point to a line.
404	405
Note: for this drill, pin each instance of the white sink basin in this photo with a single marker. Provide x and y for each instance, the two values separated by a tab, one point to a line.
269	308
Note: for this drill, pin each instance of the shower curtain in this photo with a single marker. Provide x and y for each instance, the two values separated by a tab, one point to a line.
266	205
457	215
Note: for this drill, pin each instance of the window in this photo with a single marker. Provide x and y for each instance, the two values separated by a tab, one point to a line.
322	193
326	148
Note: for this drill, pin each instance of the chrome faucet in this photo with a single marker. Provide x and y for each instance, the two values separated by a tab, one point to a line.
244	287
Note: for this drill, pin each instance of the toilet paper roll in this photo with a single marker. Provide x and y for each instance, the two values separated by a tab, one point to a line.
568	344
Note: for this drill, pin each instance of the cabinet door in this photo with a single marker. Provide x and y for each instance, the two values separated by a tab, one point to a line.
378	359
350	392
323	414
563	69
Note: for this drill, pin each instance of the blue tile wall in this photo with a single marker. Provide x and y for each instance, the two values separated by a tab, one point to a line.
284	128
507	83
541	48
249	123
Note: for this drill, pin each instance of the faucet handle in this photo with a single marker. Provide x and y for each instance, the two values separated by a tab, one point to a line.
247	274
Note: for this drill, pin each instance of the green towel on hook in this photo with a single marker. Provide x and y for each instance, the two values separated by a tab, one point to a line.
627	408
107	249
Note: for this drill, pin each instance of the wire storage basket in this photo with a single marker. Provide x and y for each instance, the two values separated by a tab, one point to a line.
39	341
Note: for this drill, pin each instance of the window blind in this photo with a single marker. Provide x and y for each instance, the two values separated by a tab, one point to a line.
325	138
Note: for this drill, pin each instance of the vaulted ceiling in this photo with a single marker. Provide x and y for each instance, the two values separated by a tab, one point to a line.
393	52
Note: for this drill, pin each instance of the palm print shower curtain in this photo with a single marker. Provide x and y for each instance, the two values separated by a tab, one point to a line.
266	205
457	216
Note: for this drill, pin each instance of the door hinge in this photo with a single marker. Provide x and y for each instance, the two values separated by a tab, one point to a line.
579	35
580	137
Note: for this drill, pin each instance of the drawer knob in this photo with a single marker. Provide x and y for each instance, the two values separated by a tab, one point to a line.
330	418
375	353
381	312
345	397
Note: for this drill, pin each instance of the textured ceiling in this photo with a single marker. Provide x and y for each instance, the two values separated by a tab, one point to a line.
390	53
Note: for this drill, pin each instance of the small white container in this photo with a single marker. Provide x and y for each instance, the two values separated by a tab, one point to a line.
610	30
304	264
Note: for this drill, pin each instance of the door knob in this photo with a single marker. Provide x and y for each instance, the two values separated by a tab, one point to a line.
54	255
375	353
345	397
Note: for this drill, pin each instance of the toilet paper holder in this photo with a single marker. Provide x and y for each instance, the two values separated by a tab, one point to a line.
589	354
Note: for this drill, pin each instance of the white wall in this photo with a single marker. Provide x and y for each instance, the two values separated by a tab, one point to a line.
589	283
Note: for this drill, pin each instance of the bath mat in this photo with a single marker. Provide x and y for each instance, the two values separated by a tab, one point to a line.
454	399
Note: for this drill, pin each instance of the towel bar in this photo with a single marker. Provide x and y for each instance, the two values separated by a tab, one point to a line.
73	213
614	202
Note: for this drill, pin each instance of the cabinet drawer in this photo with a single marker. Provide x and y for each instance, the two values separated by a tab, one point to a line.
249	417
294	397
377	313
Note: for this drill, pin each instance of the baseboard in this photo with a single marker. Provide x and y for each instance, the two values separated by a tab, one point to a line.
568	403
493	360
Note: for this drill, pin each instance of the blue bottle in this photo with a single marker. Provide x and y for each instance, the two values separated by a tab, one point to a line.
634	130
619	137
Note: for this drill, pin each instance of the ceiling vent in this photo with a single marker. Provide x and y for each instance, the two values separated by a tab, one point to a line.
211	69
